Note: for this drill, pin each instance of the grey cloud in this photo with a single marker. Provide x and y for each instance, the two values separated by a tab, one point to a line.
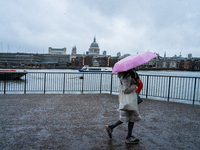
119	26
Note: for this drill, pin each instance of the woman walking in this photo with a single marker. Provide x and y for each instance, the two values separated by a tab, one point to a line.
128	104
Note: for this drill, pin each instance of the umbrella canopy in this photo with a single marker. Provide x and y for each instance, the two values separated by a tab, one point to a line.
133	61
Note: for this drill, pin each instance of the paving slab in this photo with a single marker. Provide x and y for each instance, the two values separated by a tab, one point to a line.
78	122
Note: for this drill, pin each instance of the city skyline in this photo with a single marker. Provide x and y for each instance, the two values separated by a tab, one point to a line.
124	26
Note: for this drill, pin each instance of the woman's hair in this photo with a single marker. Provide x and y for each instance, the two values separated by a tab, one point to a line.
131	73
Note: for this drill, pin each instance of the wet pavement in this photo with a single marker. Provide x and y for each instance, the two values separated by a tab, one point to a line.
78	122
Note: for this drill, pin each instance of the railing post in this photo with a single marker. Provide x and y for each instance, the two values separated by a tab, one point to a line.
5	84
147	85
100	82
82	84
111	84
44	82
64	85
25	85
169	89
194	90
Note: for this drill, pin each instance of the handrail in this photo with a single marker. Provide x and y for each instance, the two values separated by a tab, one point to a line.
168	87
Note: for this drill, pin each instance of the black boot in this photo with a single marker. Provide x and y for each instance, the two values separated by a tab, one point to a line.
111	127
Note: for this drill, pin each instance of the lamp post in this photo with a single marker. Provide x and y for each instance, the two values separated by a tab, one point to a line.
83	60
108	61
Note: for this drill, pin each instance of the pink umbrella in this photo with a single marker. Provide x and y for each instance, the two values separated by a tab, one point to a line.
133	61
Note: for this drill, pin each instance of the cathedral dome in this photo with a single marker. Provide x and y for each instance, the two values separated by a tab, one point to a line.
94	44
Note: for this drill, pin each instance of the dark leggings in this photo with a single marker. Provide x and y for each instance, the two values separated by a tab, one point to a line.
130	127
118	122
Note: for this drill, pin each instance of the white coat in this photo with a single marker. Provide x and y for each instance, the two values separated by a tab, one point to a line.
127	90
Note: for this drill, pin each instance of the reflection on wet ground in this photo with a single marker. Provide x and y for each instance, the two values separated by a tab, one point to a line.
78	122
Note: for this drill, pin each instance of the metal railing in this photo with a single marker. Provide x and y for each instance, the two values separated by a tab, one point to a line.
167	87
171	87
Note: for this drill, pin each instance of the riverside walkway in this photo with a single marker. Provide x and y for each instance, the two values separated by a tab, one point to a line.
78	122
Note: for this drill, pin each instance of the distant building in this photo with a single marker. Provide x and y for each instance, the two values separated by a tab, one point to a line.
180	55
94	48
118	54
189	56
57	51
197	64
187	65
112	61
28	60
104	53
103	61
74	51
125	55
95	63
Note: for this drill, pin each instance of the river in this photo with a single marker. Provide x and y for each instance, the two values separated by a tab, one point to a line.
163	73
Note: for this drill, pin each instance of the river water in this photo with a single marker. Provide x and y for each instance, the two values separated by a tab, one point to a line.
163	73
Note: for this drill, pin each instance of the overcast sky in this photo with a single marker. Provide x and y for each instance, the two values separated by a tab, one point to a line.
127	26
